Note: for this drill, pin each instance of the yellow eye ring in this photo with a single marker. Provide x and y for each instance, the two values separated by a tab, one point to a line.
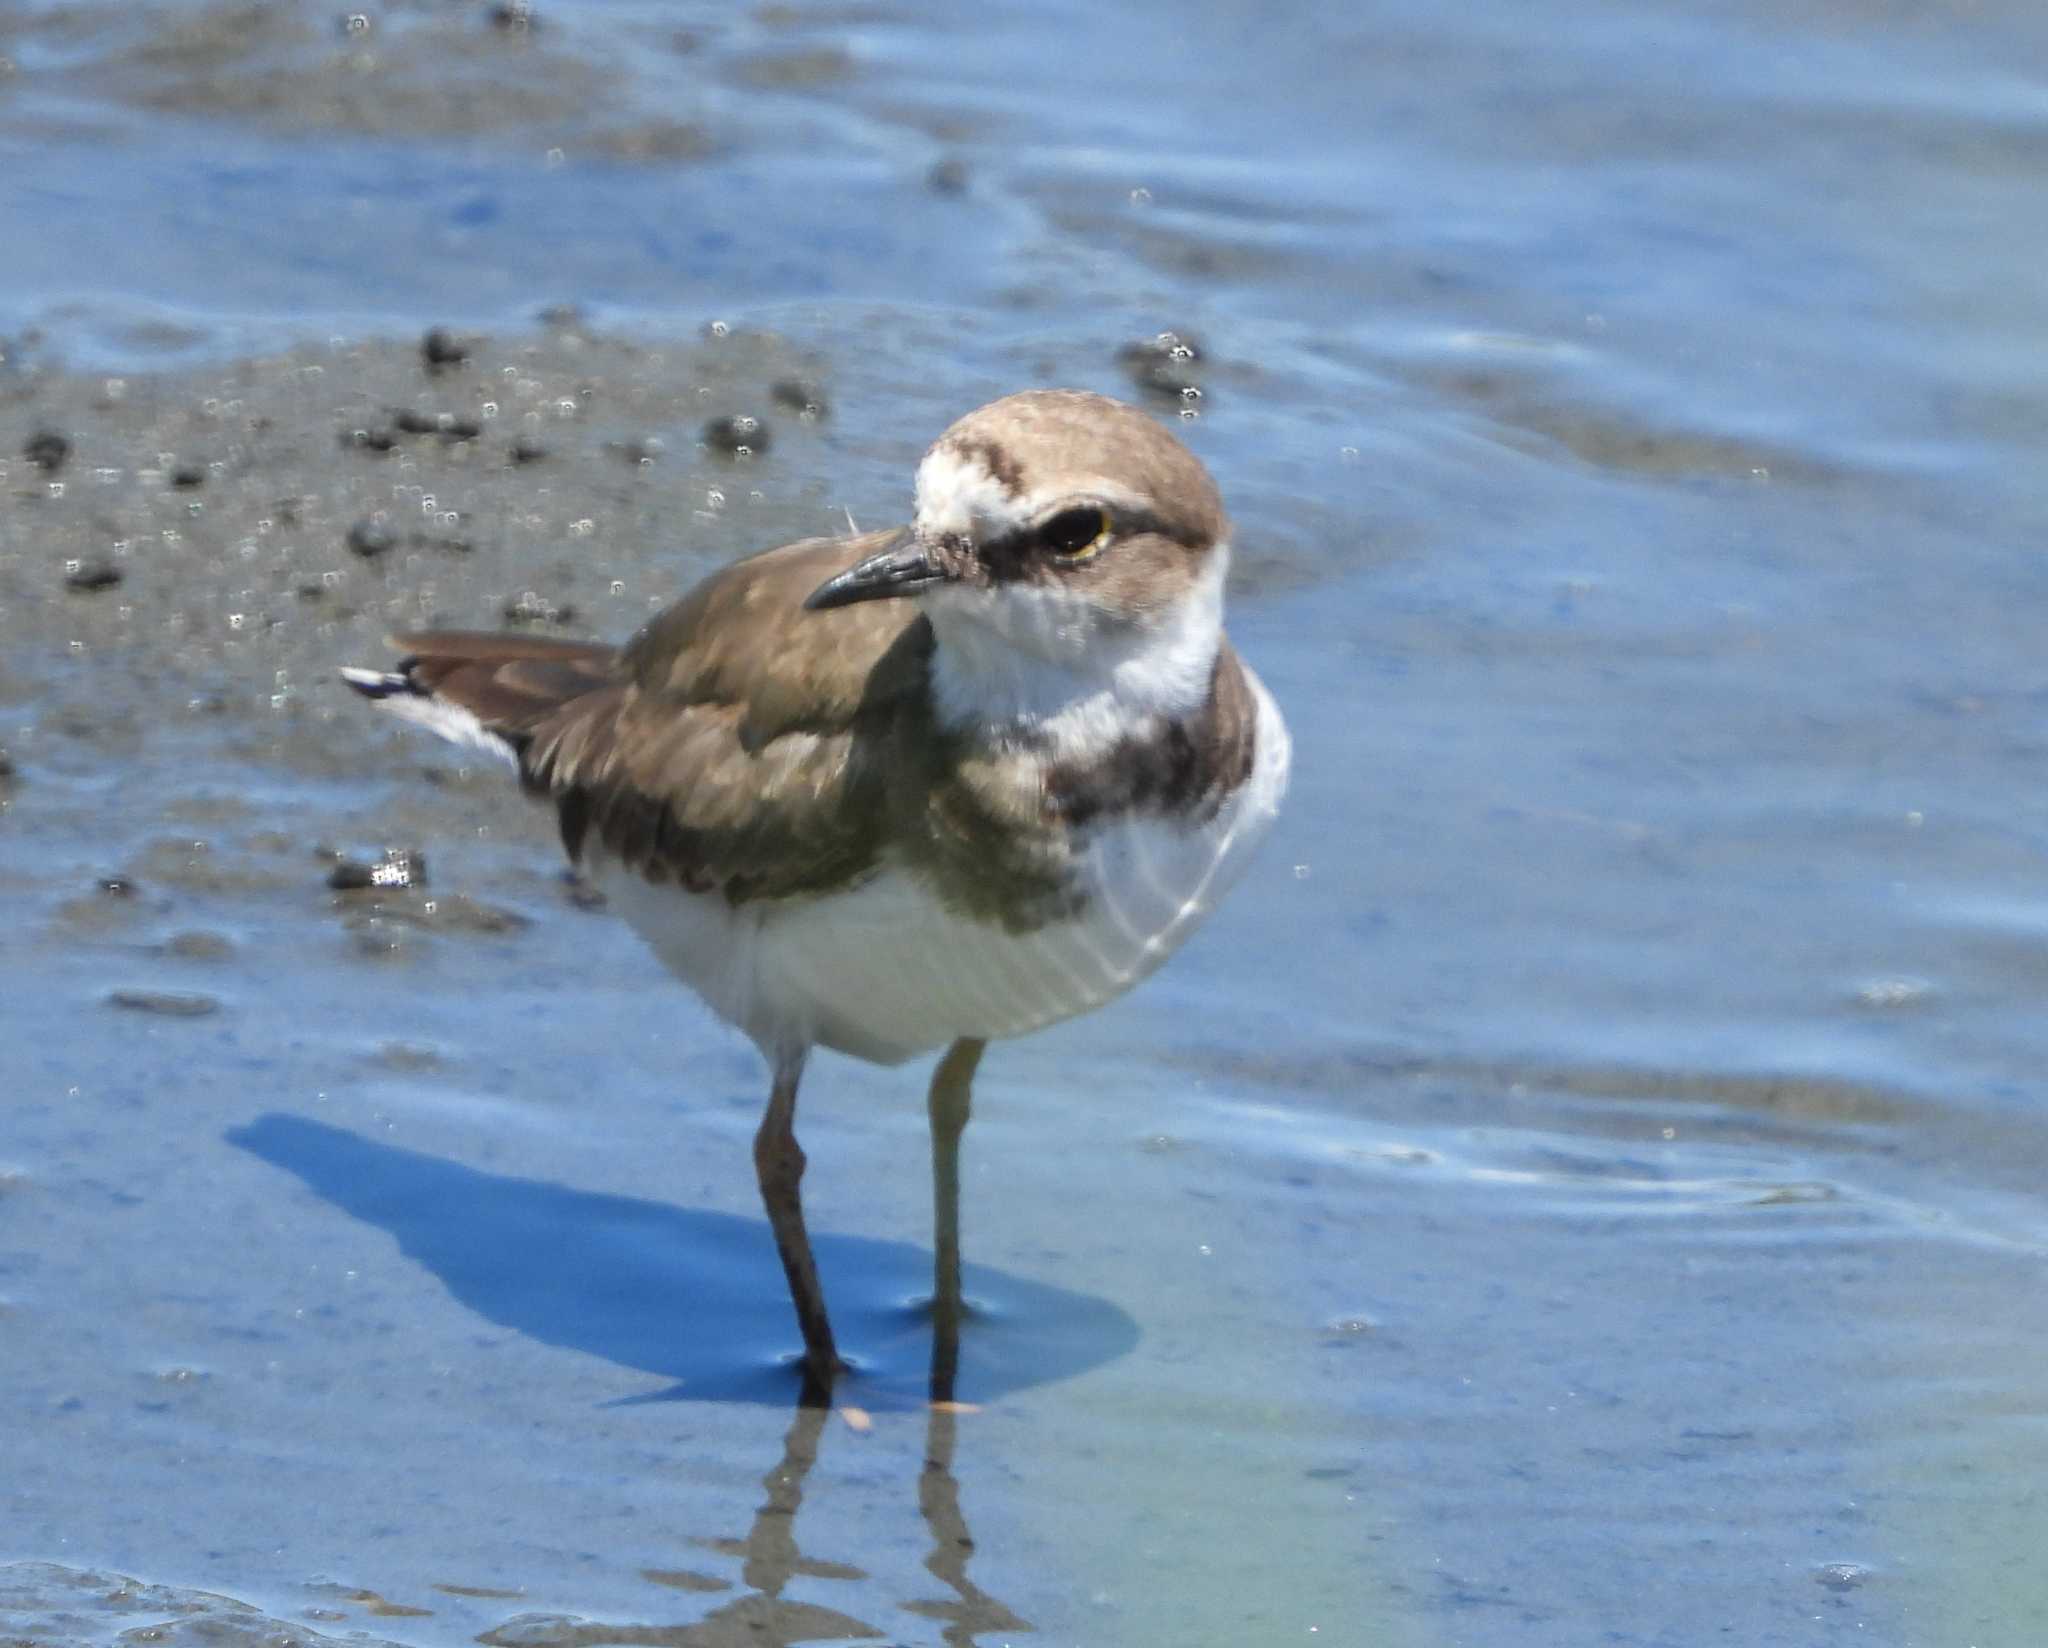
1078	534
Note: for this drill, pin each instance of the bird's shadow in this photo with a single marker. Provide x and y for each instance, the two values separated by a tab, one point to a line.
695	1298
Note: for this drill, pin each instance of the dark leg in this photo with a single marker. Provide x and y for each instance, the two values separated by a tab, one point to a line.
952	1096
779	1164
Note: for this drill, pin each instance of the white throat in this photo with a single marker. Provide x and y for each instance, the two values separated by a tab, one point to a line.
1047	661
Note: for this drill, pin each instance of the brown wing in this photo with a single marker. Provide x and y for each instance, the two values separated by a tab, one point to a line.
737	743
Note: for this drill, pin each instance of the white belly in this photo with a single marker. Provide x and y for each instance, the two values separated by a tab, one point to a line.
884	971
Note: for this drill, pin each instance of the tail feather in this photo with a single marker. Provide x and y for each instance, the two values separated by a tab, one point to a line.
485	691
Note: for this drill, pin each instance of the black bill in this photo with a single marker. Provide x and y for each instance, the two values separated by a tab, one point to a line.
903	568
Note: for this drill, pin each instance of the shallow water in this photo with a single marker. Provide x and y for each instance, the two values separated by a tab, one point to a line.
1585	1187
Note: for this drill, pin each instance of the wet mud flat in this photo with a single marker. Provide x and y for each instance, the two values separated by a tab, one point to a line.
233	525
186	558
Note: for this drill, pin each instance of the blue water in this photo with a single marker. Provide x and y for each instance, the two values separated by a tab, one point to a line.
1586	1187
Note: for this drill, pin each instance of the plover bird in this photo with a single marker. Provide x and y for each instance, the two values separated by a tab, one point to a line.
908	789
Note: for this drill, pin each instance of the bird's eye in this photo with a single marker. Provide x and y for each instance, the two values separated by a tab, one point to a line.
1076	534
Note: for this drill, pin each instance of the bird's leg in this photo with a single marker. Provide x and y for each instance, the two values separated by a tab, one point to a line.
952	1096
779	1164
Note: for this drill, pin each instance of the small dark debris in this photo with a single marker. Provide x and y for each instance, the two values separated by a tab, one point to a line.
441	349
947	176
640	449
92	576
1167	367
398	867
311	592
561	315
9	772
369	440
448	425
371	537
803	396
531	608
116	886
170	1004
47	450
444	544
524	451
513	17
198	946
737	435
187	476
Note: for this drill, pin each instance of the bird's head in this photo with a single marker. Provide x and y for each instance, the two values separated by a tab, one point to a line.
1056	520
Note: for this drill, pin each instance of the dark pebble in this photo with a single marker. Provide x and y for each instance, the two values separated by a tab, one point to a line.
93	575
47	450
369	440
513	17
527	452
399	867
1166	367
117	886
802	396
188	476
445	424
170	1004
198	946
737	434
948	176
370	538
441	349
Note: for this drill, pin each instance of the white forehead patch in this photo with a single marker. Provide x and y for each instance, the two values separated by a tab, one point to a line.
958	497
956	494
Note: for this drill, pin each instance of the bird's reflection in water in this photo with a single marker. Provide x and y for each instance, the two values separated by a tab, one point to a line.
971	1610
770	1558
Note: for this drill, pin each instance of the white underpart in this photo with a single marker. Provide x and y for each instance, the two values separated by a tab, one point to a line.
886	971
